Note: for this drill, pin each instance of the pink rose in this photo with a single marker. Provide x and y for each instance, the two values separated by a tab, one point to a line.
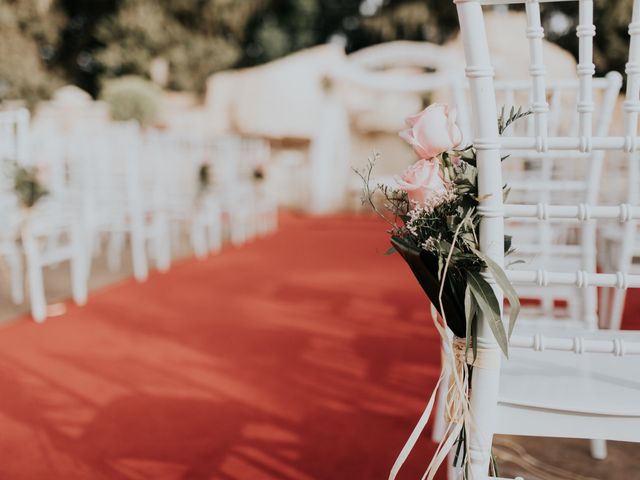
422	181
432	131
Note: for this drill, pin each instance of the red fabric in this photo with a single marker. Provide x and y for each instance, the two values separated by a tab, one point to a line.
630	318
306	355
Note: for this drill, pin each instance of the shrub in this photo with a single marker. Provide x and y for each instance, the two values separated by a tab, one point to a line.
132	98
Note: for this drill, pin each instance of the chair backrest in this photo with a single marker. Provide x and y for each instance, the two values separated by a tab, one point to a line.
561	177
539	139
14	128
13	149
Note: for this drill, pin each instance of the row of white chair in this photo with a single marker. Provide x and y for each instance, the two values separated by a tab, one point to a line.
111	183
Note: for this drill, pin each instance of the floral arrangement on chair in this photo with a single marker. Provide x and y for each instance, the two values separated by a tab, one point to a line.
28	185
258	173
435	225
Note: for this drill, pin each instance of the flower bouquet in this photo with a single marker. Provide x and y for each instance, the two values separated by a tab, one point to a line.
435	225
28	185
258	173
204	177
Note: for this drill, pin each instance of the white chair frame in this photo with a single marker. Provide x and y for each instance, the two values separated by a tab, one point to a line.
50	231
548	243
493	414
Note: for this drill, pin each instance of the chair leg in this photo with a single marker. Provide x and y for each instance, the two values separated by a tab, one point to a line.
114	251
14	261
599	449
162	245
238	230
617	308
215	235
483	404
36	286
198	239
138	253
78	269
92	249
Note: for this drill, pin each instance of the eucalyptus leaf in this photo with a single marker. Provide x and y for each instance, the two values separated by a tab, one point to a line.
391	251
470	308
508	239
488	305
506	287
516	262
474	339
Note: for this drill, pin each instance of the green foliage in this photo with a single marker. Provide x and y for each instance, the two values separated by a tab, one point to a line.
611	19
196	40
504	120
405	21
204	178
89	41
438	237
132	98
192	61
29	34
138	32
273	40
27	185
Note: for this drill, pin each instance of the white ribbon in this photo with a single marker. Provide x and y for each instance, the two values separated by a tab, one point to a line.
457	408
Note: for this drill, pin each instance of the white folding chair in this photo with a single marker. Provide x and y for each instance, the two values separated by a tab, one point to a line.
574	384
124	191
254	155
50	231
234	187
188	206
12	148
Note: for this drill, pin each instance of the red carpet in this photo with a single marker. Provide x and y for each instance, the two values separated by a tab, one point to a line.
307	355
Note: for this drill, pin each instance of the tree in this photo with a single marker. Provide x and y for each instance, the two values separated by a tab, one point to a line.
611	18
197	37
90	40
30	33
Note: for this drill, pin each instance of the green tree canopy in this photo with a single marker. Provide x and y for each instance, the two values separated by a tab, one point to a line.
30	31
88	41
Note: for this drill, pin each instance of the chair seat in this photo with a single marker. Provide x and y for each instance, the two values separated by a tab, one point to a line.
542	393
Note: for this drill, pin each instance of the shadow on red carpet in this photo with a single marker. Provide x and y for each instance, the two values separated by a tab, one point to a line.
306	355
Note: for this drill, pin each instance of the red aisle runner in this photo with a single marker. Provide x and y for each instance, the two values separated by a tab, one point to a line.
307	355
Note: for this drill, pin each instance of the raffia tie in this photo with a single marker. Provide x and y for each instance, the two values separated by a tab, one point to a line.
455	373
453	407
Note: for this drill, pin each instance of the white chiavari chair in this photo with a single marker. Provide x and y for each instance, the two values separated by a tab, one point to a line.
255	154
233	185
543	178
126	195
575	384
190	207
12	149
50	231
